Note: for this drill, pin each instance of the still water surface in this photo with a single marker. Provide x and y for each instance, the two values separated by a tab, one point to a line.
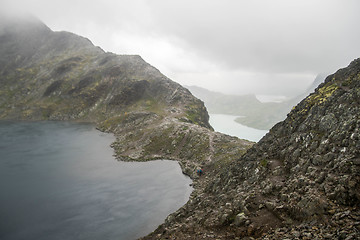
59	180
226	124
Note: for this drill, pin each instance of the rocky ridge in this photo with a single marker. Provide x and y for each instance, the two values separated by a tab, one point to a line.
301	181
46	75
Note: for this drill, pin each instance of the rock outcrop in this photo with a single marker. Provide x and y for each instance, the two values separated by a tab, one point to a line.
301	181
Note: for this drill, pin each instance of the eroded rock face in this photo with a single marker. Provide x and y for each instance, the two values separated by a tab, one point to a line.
301	181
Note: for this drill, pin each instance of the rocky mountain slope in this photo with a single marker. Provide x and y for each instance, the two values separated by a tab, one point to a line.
59	75
46	75
301	181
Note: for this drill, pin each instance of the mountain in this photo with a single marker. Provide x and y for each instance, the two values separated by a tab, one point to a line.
301	181
226	104
61	76
47	75
253	113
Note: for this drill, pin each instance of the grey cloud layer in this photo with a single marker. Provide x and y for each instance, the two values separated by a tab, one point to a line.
275	36
234	45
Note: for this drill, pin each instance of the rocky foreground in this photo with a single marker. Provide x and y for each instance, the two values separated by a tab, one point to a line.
301	181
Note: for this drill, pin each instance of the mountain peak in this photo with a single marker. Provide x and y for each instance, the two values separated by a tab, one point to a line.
18	23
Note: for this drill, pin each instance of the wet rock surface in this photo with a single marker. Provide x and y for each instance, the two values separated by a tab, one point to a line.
301	181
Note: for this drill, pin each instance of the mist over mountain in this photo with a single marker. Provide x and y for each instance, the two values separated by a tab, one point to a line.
47	75
300	181
252	112
59	75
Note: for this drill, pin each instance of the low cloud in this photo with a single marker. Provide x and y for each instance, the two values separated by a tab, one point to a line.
264	47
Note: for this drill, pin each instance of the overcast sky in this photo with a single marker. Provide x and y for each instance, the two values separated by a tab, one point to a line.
266	47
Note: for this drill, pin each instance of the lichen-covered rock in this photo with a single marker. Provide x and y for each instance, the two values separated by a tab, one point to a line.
301	181
240	219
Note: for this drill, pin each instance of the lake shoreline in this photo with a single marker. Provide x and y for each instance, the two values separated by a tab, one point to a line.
195	147
57	130
228	124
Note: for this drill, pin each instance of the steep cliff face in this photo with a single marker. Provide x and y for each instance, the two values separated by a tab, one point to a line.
301	181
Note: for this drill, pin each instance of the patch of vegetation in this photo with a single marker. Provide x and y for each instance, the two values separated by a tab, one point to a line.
53	87
322	94
130	93
347	82
317	98
194	114
112	122
264	163
161	143
64	68
149	104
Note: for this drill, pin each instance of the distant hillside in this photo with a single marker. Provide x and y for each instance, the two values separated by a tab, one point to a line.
254	113
226	104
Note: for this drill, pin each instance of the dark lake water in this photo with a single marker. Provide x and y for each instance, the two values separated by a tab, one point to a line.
59	180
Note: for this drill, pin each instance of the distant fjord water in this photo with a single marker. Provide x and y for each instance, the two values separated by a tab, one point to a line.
226	124
59	180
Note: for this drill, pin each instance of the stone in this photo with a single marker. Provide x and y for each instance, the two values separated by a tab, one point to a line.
240	219
270	206
296	234
223	219
327	122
